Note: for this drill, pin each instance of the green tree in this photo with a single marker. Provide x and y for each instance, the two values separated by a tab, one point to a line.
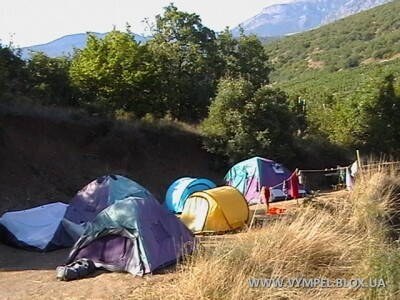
244	121
13	74
115	73
49	79
383	122
244	57
354	109
185	54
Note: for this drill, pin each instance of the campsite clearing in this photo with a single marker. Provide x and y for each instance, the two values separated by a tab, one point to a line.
31	275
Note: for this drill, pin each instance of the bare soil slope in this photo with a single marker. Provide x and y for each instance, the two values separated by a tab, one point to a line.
45	160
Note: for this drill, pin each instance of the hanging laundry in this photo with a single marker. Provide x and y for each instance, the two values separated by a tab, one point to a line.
284	188
294	186
342	176
301	179
354	169
349	179
265	195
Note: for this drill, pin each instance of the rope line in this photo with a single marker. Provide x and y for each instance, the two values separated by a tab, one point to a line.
287	179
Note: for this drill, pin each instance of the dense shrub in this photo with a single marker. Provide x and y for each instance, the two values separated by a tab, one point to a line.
244	121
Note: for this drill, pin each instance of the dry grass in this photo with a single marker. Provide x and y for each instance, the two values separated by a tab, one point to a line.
348	237
121	119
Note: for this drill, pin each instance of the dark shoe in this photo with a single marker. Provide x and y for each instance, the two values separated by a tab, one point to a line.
75	270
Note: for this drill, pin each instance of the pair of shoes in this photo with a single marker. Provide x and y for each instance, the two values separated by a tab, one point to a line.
75	270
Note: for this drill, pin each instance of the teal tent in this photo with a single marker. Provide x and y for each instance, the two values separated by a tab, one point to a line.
180	190
250	175
136	235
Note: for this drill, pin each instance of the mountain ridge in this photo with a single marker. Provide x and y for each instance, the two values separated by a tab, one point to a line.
369	37
65	45
273	22
302	15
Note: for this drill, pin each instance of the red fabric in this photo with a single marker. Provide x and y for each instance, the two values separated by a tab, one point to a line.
294	186
265	195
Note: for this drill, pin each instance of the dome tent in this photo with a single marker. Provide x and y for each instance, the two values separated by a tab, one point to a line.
58	225
101	193
136	235
215	210
182	188
250	175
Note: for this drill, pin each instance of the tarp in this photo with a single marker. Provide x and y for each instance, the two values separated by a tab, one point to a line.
135	235
181	189
36	227
215	210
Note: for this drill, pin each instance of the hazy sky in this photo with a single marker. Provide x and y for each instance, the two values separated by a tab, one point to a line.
28	22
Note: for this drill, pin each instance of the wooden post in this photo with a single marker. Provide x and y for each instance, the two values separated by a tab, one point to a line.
359	164
358	158
252	219
297	174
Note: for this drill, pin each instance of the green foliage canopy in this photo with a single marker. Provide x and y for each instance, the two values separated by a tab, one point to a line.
244	121
13	75
244	57
49	79
185	55
357	108
114	73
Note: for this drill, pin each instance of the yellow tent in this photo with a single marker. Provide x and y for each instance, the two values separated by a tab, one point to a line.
215	210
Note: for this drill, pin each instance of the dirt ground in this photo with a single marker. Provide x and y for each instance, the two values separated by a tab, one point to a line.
31	275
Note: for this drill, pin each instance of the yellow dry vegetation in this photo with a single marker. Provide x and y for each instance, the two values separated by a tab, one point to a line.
351	235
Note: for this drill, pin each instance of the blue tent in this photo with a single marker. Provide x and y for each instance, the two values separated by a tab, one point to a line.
182	188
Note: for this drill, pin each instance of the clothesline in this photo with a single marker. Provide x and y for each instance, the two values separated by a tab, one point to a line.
331	170
326	170
287	179
344	168
383	163
319	171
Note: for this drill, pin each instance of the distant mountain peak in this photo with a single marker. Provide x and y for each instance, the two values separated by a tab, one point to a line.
65	45
301	15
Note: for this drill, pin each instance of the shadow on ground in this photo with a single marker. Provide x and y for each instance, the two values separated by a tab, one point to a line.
14	259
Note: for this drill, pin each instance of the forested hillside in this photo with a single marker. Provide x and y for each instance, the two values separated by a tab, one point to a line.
332	90
365	38
353	108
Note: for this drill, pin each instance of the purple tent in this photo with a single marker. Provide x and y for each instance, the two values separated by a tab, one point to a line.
135	235
250	175
101	193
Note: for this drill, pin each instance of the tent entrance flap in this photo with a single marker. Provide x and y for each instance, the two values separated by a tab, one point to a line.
112	252
198	210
